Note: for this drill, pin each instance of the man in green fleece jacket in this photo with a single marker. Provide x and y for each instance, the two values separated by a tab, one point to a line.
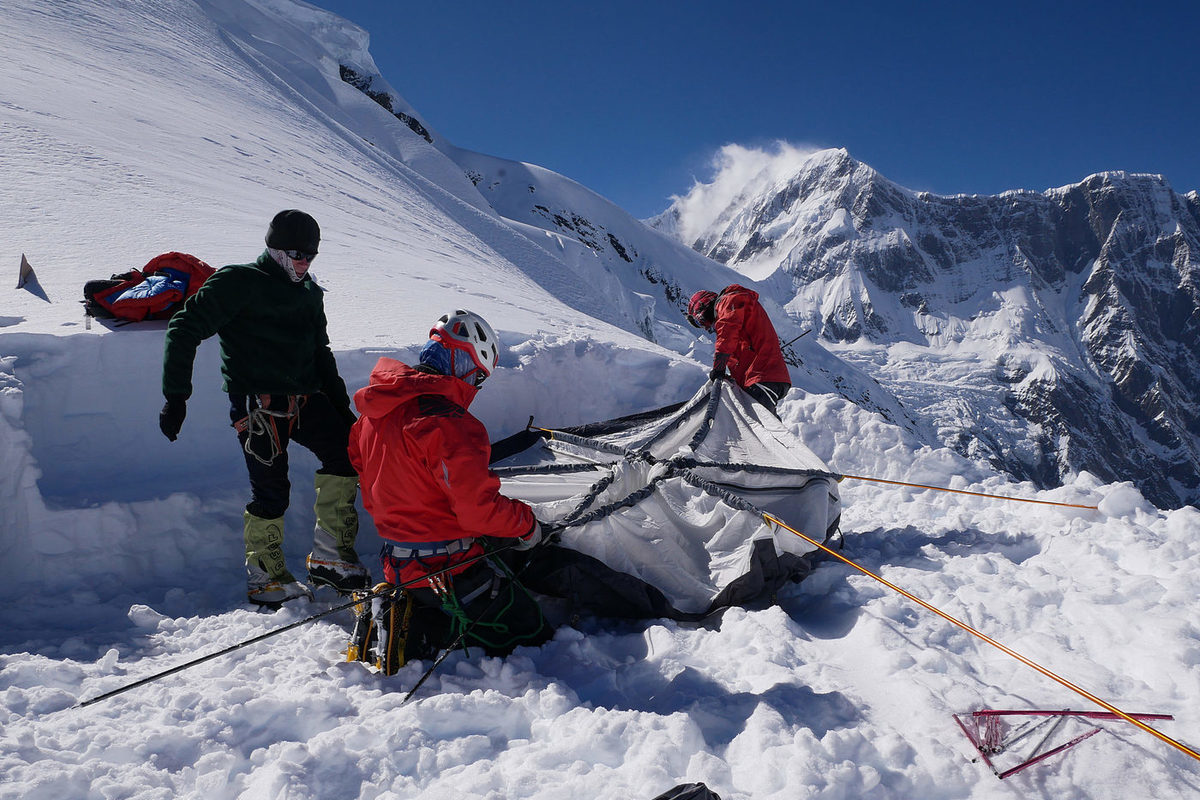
283	385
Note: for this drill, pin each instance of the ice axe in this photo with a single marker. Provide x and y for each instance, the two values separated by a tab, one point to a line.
798	338
277	631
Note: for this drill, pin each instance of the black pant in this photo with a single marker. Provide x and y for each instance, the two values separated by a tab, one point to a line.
768	393
317	426
502	615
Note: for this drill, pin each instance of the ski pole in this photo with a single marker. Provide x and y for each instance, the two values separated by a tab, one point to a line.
276	631
798	338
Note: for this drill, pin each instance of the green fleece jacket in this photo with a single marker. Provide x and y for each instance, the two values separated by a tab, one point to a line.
272	333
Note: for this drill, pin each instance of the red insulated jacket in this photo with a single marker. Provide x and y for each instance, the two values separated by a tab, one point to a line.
746	340
422	461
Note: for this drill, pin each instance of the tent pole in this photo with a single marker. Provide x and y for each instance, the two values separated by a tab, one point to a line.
276	631
1027	662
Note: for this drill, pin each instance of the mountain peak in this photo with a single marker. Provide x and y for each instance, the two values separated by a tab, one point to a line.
755	207
1098	277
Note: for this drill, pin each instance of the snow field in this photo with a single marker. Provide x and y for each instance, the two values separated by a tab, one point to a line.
122	553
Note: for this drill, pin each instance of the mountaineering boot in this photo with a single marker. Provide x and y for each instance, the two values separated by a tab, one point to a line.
268	582
333	561
391	629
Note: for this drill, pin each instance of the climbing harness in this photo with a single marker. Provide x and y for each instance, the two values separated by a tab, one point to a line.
466	626
261	425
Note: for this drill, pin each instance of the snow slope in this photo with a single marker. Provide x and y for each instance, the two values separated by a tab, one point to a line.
131	128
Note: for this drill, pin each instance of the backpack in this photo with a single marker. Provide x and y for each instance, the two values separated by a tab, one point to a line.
156	291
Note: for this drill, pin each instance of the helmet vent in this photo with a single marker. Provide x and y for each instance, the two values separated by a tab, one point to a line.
468	332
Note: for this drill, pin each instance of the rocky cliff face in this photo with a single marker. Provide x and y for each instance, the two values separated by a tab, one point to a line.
1048	332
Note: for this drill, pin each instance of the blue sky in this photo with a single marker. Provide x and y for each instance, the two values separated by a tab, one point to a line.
632	99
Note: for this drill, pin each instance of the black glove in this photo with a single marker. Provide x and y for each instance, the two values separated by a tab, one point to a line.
170	419
720	361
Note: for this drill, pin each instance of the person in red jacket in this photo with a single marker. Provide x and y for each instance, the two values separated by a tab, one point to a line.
747	345
422	461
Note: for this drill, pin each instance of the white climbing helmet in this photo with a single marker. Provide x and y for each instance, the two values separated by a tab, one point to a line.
466	331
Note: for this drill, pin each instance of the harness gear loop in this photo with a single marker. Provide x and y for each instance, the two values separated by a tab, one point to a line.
261	425
454	606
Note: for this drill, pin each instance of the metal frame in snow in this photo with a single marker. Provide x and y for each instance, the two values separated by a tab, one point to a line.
989	738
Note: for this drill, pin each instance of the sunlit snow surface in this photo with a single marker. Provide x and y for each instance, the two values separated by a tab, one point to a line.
134	128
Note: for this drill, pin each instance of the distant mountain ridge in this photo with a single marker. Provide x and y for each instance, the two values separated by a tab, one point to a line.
1044	332
1049	332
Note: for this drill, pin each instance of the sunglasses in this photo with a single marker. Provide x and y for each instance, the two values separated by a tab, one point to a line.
300	255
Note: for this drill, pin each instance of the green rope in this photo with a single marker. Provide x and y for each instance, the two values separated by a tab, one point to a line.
460	622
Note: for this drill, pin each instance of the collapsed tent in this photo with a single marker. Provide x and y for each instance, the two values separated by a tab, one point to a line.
661	514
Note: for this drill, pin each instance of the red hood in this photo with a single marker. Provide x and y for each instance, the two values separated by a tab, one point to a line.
393	383
735	288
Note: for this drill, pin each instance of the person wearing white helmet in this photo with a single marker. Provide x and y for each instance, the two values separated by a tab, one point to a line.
422	460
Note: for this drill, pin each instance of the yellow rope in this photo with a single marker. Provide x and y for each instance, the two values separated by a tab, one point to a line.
1063	681
974	494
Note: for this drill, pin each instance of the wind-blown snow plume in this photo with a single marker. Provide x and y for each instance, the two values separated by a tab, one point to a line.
739	172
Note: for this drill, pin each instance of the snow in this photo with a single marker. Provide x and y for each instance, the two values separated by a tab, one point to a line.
133	128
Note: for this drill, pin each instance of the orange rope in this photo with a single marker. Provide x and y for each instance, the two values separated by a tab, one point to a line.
974	494
1063	681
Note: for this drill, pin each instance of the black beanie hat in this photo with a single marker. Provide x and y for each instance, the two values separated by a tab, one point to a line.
294	230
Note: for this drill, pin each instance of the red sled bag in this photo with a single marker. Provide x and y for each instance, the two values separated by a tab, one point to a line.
156	291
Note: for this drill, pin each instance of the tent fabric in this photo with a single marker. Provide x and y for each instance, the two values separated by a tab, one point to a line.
666	508
689	791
